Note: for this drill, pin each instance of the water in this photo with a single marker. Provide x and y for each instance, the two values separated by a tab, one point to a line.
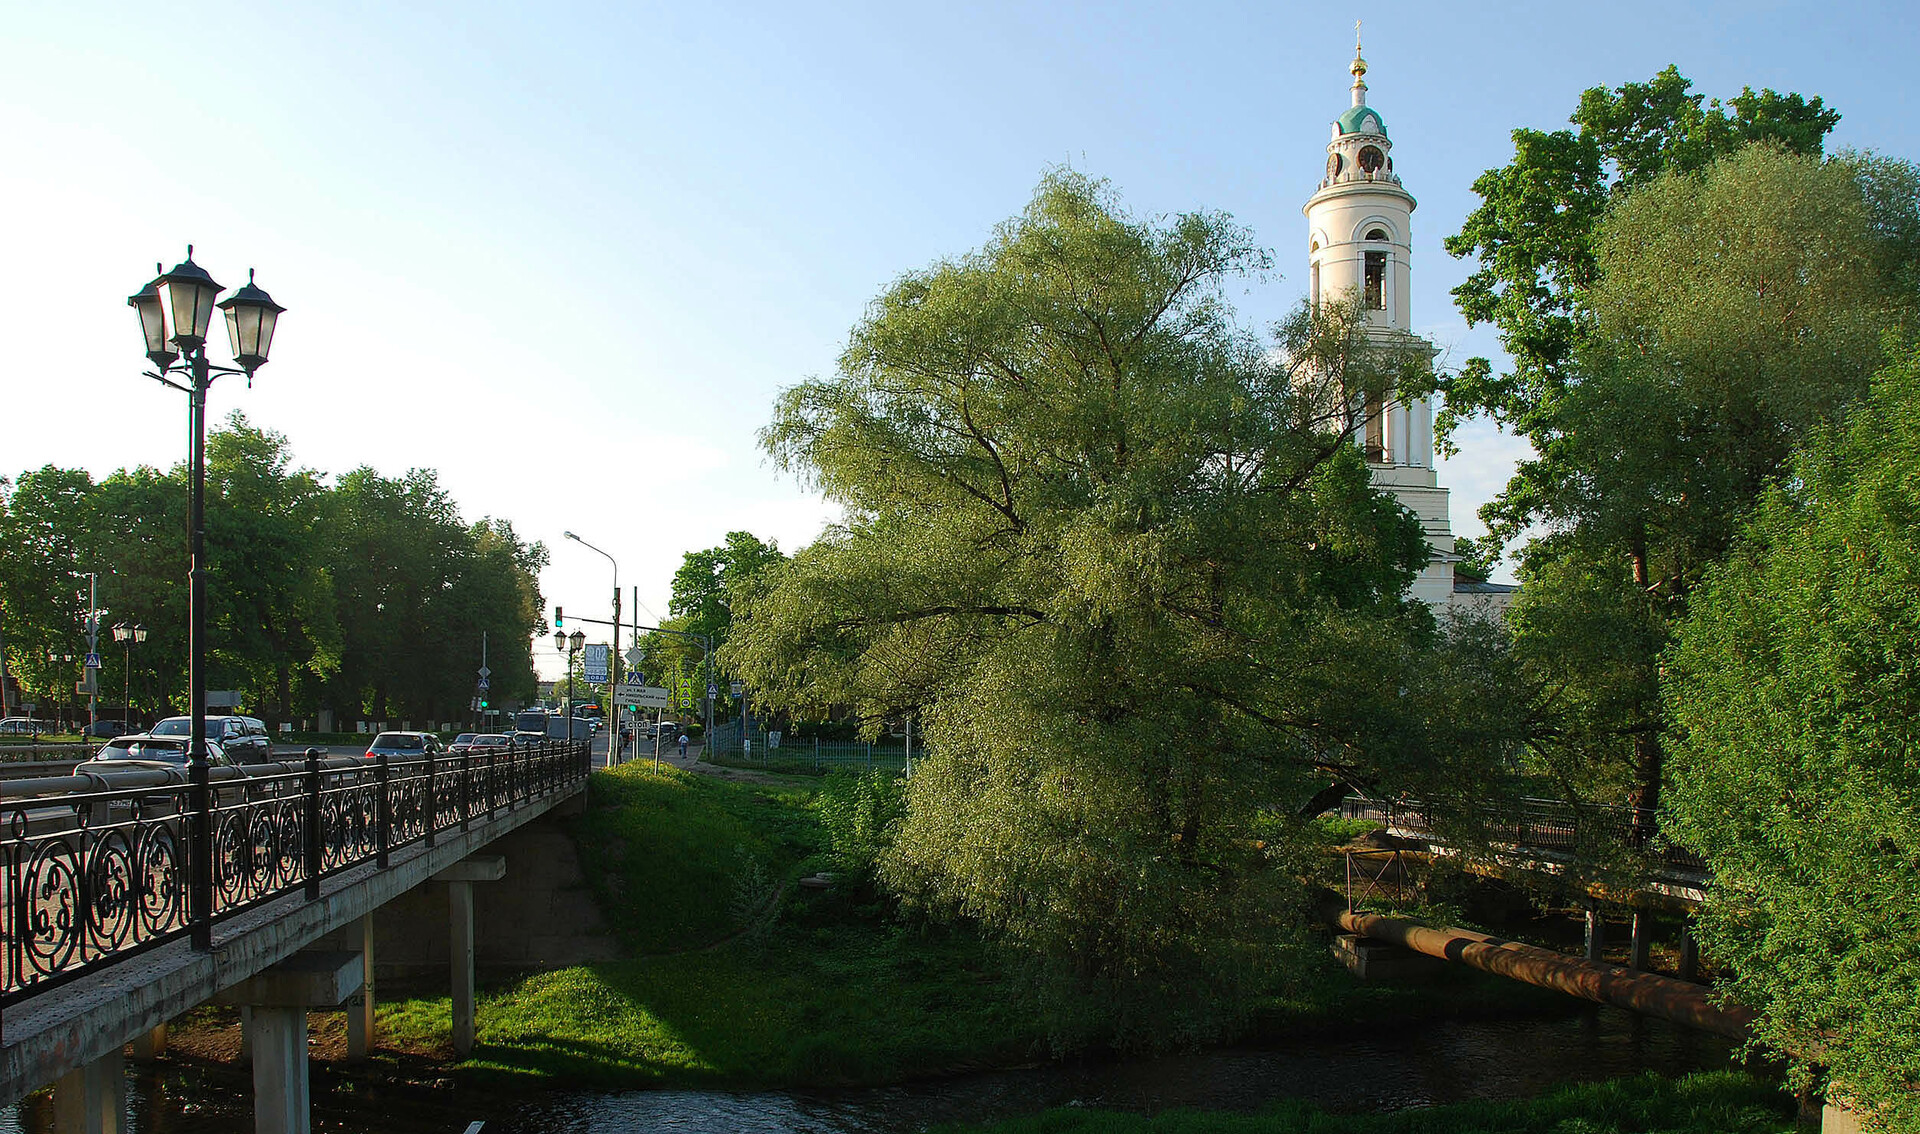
1421	1065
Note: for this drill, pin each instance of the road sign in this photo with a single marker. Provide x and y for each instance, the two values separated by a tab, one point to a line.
645	696
484	683
93	661
712	692
484	674
635	655
738	688
593	662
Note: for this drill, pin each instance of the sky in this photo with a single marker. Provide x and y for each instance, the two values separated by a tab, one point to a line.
567	254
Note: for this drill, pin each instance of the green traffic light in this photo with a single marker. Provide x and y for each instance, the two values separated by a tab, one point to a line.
559	619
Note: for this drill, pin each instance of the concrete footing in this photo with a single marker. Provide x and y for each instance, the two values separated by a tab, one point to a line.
93	1099
1377	960
151	1045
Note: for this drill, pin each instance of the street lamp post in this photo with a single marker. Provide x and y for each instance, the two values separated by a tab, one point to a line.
569	645
128	636
613	659
175	311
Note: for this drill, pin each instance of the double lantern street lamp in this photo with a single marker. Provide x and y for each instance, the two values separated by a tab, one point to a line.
129	637
175	310
569	645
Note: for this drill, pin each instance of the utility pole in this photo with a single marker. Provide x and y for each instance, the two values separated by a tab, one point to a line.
92	667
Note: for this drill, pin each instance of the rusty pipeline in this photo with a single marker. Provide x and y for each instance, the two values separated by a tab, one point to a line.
1649	994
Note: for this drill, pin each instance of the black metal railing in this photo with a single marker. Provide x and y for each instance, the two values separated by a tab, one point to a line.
95	867
1543	827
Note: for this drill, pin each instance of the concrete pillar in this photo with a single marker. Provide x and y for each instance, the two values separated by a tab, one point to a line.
280	1093
459	879
1689	952
460	911
1596	932
275	1001
92	1099
151	1045
246	1033
360	1011
1640	953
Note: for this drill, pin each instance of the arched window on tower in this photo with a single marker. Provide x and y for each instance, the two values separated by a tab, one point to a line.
1377	234
1376	281
1313	273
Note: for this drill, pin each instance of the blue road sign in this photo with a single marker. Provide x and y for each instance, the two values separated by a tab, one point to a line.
485	684
93	661
713	691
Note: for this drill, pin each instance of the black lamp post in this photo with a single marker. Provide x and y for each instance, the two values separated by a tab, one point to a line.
175	312
569	645
129	637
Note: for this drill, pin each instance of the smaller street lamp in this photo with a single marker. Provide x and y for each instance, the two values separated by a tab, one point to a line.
128	637
569	645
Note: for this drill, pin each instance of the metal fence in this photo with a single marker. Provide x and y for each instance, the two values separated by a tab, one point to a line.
1548	827
95	868
727	745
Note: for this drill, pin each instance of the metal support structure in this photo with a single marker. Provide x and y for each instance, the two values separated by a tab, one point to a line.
200	870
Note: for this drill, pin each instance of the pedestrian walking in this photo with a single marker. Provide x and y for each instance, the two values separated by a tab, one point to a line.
683	744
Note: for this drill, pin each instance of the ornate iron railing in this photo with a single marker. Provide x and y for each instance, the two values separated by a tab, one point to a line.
1546	827
94	868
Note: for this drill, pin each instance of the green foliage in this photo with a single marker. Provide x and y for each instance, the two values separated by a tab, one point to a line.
859	812
1535	233
1716	1103
369	596
1115	557
1796	691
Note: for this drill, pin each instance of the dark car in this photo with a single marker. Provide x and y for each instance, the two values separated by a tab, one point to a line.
110	729
244	738
404	745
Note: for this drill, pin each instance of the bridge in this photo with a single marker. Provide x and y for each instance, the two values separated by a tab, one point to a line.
105	940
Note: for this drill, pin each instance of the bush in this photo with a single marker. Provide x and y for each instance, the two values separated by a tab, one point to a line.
859	812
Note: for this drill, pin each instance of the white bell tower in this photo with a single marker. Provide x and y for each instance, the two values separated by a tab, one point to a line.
1359	239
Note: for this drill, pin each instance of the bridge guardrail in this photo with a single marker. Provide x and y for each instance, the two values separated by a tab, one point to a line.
1547	825
95	868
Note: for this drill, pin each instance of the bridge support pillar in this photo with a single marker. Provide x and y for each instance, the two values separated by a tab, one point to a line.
151	1045
360	1010
1596	932
276	1001
460	878
1641	950
92	1099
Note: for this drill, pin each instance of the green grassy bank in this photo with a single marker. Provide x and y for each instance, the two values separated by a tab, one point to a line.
1716	1103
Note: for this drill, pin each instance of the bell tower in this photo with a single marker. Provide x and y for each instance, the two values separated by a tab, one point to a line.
1359	243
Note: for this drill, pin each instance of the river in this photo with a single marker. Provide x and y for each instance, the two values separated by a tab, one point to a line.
1420	1065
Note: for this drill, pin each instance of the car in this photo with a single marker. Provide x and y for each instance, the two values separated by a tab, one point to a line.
110	729
461	743
144	750
24	726
244	738
490	742
404	745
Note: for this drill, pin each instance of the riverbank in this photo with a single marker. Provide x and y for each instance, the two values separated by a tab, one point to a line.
739	978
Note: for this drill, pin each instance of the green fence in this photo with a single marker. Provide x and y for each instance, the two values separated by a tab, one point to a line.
785	754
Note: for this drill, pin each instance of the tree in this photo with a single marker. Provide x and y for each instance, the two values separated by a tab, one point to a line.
1116	558
1535	232
1797	701
1732	310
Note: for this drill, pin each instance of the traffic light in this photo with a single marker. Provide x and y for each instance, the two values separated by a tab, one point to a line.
483	702
559	619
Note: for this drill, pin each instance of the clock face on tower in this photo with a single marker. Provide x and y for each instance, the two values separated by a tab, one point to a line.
1333	165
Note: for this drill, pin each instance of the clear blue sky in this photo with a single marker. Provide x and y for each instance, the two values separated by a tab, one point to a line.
545	249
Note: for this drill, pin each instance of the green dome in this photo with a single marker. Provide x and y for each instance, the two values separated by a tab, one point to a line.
1349	122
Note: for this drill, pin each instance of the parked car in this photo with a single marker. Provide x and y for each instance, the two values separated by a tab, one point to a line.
24	726
110	729
404	745
244	738
461	743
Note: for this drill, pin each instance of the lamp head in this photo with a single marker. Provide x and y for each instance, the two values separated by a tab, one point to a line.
188	294
153	322
251	315
578	639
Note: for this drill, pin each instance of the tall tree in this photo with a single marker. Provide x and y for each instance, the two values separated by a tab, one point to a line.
1797	697
1119	562
1535	232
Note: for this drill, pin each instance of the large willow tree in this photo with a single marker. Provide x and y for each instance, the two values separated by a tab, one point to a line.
1111	553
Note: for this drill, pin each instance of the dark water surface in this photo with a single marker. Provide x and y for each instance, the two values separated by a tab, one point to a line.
1384	1069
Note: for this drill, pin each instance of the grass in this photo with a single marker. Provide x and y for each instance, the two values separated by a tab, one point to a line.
1720	1102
